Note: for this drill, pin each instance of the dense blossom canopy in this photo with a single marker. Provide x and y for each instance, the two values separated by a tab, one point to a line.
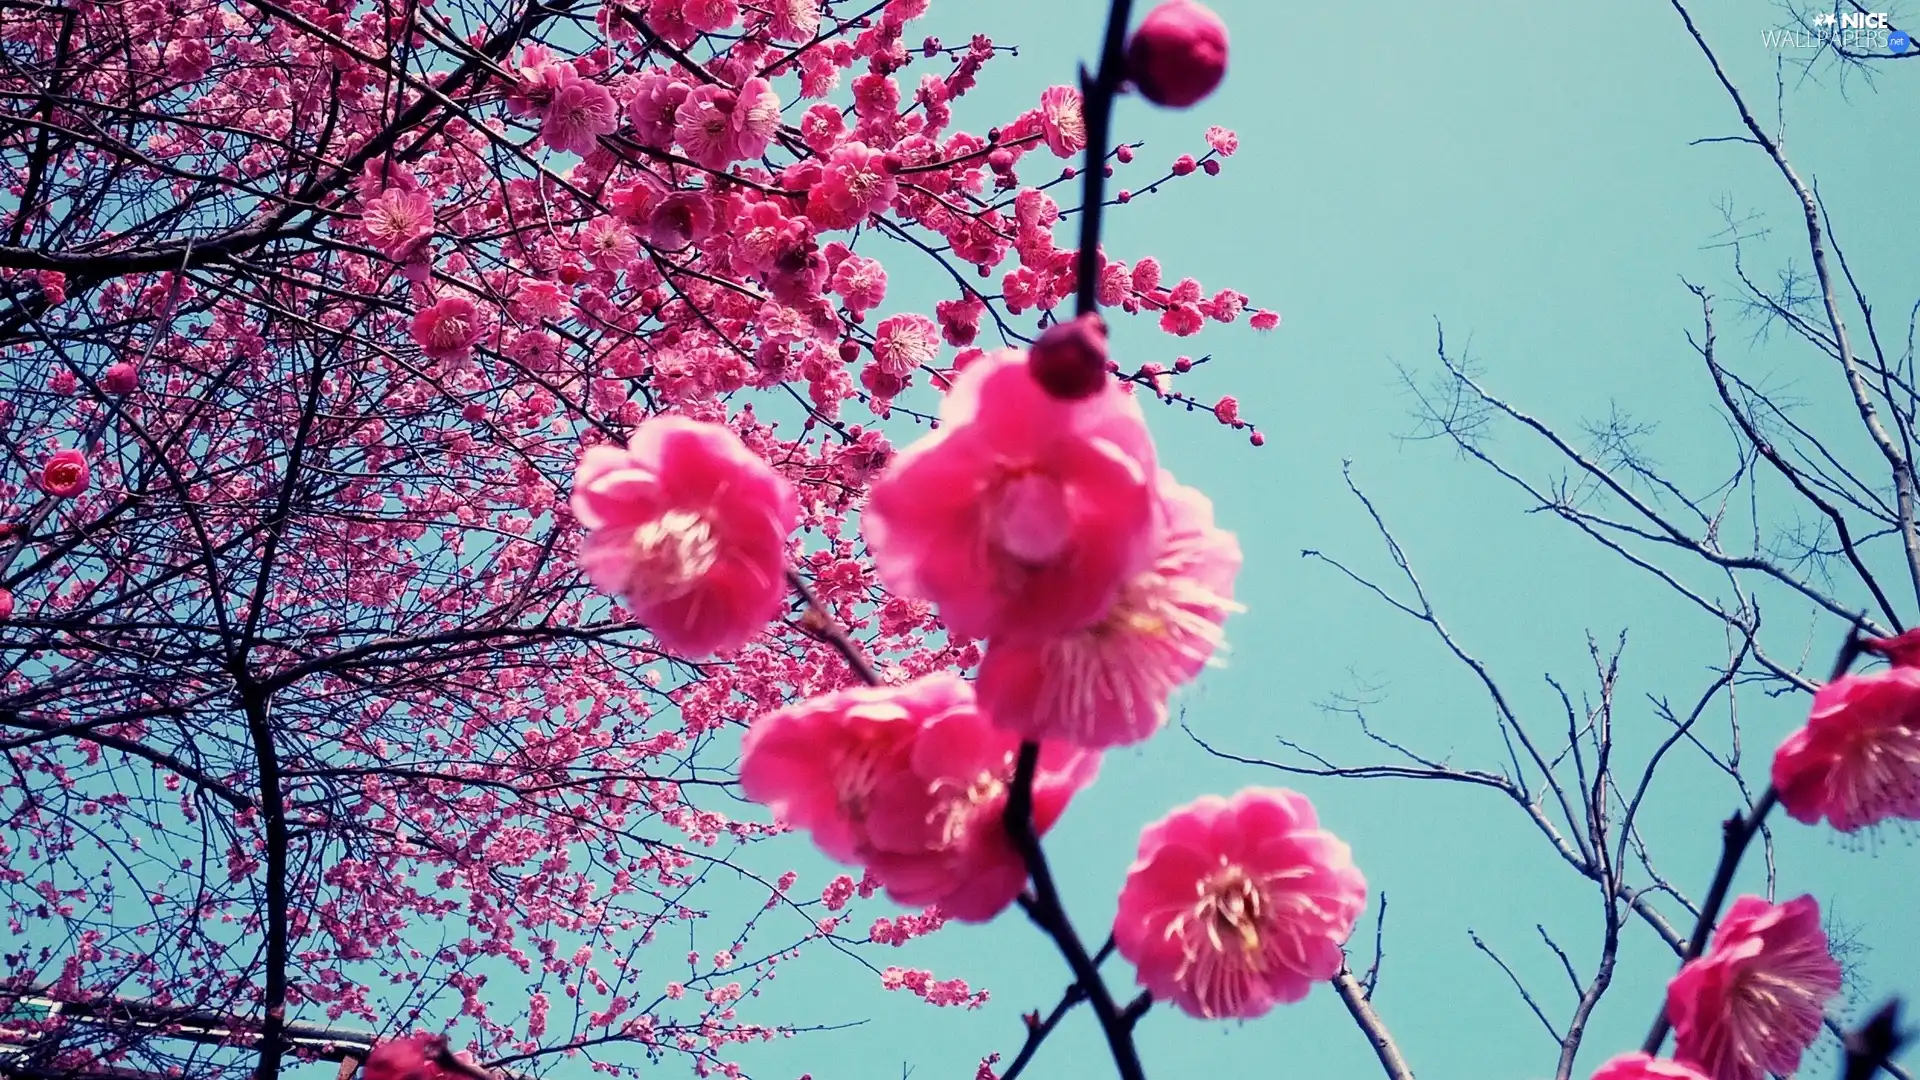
311	310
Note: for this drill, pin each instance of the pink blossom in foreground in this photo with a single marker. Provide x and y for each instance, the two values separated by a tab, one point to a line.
1063	120
1108	685
448	330
419	1056
1023	515
691	527
1754	1001
911	782
1639	1066
1236	905
936	830
65	474
1179	53
6	605
815	764
1857	760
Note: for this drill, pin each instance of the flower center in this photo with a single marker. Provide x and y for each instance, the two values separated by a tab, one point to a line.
449	333
855	775
1234	908
671	554
964	800
1028	518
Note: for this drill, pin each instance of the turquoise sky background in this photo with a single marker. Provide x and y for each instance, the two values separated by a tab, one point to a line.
1520	172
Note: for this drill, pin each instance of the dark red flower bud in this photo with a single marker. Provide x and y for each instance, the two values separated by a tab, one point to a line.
1070	359
1179	53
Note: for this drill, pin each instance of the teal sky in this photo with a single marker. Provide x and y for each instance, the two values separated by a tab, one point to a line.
1520	172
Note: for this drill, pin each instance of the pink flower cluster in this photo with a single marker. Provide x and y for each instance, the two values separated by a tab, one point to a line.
573	112
1044	525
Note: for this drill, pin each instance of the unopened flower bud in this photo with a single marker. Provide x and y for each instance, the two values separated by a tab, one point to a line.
1179	53
121	378
1070	359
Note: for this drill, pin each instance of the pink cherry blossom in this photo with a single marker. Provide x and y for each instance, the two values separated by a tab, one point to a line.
578	114
398	222
1857	760
608	244
1024	514
703	126
1179	53
857	181
681	218
6	605
1639	1066
448	330
1236	905
862	283
65	474
691	527
656	96
936	830
1107	685
910	781
755	118
1265	320
793	20
711	16
1063	120
815	764
1754	1001
903	343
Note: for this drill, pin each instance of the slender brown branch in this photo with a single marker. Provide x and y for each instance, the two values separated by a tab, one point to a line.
1737	832
1044	908
1360	1007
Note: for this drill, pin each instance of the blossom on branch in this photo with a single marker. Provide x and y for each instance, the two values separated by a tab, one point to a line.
1857	760
1754	1001
1107	685
691	527
448	330
1236	905
65	474
910	781
1024	515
